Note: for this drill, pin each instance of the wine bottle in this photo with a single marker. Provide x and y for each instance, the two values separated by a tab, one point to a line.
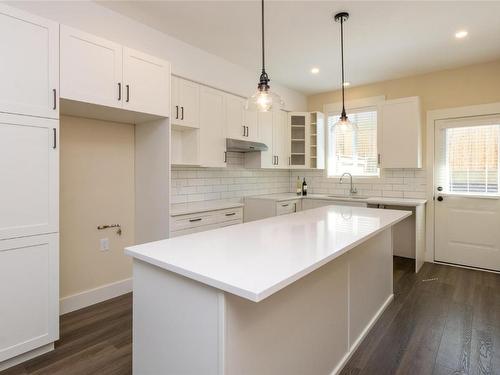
298	186
304	187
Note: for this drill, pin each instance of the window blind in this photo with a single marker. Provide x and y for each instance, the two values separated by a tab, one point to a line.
354	151
472	159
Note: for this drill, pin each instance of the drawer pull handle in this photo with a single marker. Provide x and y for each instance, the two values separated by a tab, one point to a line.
231	214
193	220
284	205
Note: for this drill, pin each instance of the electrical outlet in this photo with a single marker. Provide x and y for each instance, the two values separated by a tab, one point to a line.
104	244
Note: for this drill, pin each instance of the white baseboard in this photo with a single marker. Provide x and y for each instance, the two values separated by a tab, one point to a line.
362	336
26	356
93	296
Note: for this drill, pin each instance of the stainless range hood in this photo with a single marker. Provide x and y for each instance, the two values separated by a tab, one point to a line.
244	146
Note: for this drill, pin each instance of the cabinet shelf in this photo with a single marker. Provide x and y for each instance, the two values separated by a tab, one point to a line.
298	140
298	126
297	153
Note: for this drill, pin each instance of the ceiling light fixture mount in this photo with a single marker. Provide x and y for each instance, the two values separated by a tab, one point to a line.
343	122
264	99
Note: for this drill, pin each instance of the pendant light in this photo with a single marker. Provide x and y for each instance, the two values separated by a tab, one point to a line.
264	99
343	123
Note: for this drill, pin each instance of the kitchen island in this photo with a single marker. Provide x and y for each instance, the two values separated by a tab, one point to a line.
292	294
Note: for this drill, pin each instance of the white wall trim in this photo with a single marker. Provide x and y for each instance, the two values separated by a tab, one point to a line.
92	296
432	117
371	101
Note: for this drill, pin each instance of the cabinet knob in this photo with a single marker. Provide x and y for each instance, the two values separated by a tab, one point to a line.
440	198
439	188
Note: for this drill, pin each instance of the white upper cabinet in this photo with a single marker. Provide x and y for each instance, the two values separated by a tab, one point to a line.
185	103
400	134
29	64
146	83
29	161
280	141
241	123
235	117
212	128
91	68
265	121
97	71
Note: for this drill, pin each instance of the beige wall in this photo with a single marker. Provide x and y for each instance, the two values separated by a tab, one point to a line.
97	187
475	84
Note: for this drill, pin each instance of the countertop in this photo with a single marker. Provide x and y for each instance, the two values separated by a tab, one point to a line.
409	202
196	207
256	259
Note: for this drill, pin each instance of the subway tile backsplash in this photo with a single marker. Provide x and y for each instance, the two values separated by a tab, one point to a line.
236	182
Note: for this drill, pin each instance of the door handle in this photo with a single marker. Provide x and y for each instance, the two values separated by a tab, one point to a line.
244	130
55	99
277	159
248	131
128	93
54	141
176	112
225	156
440	198
182	113
119	91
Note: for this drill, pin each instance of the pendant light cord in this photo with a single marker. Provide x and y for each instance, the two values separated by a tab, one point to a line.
263	48
342	58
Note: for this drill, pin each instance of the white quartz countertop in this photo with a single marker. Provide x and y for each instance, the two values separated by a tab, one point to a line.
409	202
256	259
196	207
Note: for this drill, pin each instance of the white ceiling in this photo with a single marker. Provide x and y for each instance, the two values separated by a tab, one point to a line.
384	40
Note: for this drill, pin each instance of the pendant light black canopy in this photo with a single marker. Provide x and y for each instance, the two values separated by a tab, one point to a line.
343	121
264	99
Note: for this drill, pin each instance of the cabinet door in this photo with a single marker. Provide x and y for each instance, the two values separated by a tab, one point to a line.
91	68
235	117
146	81
29	165
212	128
29	66
401	134
280	139
188	94
268	158
29	289
252	124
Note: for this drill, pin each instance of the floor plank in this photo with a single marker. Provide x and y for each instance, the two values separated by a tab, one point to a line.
443	321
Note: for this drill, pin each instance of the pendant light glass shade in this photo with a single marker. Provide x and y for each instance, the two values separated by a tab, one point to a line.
343	122
264	99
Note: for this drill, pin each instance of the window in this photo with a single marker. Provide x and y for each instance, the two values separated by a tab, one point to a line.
353	151
471	164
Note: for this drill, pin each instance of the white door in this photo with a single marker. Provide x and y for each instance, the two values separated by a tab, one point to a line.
279	139
235	117
29	64
29	291
268	158
467	207
146	81
29	178
91	68
212	128
188	110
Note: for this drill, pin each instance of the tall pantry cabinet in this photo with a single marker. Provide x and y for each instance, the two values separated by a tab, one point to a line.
29	184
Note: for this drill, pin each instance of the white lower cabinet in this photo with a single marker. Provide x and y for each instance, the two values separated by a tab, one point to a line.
202	221
29	291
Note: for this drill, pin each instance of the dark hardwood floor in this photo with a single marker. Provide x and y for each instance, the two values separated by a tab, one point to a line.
445	320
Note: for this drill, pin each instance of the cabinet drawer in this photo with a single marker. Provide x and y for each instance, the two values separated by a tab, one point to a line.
192	221
203	228
229	215
287	207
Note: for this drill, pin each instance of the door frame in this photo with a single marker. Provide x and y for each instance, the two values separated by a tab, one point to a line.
432	117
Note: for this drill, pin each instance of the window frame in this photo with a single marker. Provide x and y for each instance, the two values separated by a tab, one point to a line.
357	105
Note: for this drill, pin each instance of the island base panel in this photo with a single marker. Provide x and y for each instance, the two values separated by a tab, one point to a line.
311	326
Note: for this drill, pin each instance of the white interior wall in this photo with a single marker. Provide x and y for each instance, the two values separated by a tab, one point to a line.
187	61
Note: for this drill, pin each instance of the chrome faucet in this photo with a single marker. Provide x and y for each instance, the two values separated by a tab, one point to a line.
352	190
